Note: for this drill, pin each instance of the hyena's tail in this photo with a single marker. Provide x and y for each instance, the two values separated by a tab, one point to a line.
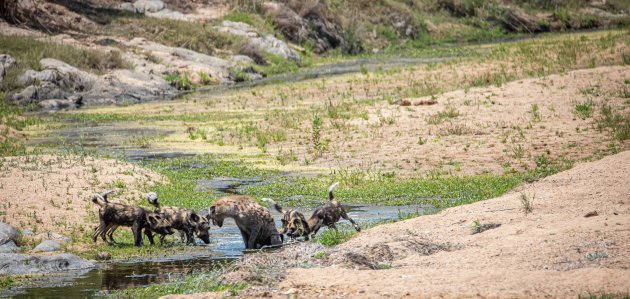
330	191
101	198
274	204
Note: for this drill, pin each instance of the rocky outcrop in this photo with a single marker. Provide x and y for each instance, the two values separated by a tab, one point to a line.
15	263
309	24
62	86
266	43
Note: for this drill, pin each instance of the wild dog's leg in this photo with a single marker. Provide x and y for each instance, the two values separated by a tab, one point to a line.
344	215
253	235
190	237
149	234
137	233
334	226
110	233
162	239
101	227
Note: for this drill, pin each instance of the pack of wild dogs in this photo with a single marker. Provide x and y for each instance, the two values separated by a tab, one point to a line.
254	221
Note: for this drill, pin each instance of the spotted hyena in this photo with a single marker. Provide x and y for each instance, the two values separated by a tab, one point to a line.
294	224
253	220
187	221
113	215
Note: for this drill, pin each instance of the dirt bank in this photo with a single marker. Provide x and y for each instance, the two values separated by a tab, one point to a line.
48	193
574	242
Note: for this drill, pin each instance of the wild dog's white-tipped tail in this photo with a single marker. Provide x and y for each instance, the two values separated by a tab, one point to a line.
152	198
99	199
330	191
274	204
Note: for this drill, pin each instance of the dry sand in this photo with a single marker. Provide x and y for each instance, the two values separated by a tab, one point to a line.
553	252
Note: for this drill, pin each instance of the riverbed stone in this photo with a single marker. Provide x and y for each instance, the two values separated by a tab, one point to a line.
9	247
146	6
16	263
54	236
47	246
6	61
7	233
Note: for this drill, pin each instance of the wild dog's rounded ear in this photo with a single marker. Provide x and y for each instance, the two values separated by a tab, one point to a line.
152	220
194	217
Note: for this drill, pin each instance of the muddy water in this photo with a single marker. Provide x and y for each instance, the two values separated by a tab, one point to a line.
226	246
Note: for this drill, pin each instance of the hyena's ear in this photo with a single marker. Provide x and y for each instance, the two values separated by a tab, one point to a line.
211	210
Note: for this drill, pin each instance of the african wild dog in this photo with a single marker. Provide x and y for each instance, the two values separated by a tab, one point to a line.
253	220
295	225
187	221
112	215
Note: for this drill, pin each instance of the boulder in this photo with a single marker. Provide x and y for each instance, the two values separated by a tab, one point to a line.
73	102
54	236
267	43
128	87
47	246
7	233
15	263
9	247
6	62
147	6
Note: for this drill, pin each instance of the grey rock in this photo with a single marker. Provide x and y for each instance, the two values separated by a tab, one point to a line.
170	14
61	104
9	247
7	233
267	43
54	236
47	246
126	6
241	59
128	87
67	76
15	263
6	62
146	6
27	232
271	44
237	28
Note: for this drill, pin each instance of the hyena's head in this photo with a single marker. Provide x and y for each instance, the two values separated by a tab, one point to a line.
294	224
216	216
202	226
160	224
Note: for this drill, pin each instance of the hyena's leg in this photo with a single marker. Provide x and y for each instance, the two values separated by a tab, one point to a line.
344	215
253	236
245	236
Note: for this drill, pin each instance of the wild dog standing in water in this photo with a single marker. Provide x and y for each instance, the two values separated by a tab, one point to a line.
188	222
112	215
295	225
253	220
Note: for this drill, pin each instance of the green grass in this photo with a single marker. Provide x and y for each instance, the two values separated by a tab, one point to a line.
440	117
28	51
11	117
194	283
584	110
6	282
614	120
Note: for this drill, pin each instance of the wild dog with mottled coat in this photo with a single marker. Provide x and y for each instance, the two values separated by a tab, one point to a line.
295	225
253	220
112	215
187	221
